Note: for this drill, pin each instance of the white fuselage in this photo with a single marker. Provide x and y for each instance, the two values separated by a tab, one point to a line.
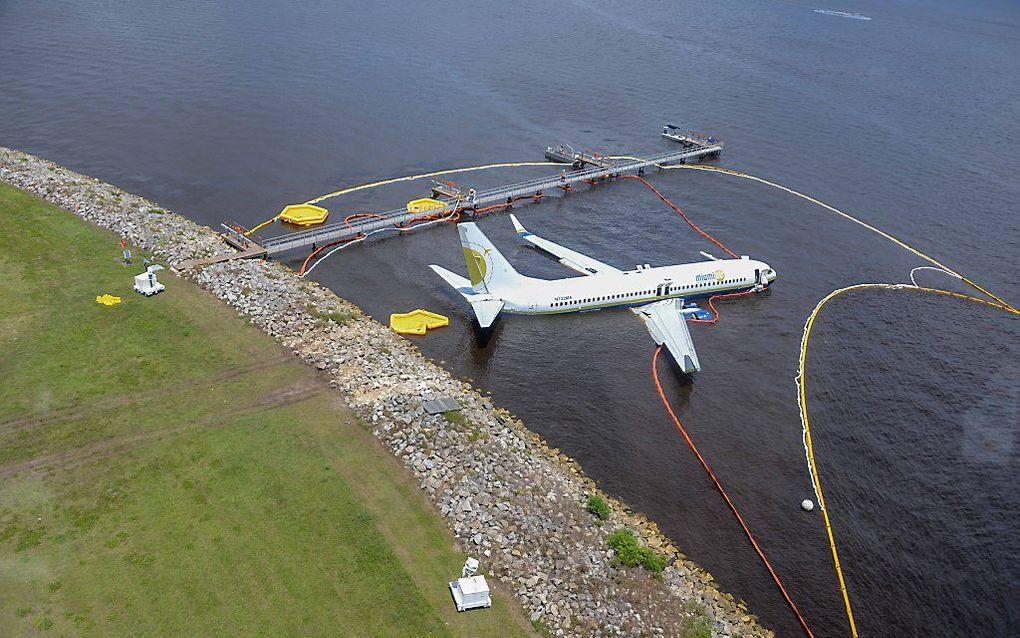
636	287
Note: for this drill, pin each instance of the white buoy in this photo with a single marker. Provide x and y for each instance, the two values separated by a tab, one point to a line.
807	505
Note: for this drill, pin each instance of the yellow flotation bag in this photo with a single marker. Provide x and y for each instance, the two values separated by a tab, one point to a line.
424	205
417	322
304	214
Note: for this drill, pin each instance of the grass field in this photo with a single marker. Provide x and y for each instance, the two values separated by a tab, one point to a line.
167	469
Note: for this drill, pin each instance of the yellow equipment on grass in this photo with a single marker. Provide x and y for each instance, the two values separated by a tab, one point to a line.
108	300
304	214
417	322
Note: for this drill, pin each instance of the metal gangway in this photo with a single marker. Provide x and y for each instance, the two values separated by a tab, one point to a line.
565	154
341	231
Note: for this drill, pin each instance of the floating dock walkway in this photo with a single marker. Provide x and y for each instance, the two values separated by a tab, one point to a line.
609	168
587	168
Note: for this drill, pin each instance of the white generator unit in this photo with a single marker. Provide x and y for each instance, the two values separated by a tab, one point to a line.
146	283
470	591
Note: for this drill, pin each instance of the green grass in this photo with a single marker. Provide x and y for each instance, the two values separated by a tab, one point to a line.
702	628
167	469
455	417
597	507
632	554
339	317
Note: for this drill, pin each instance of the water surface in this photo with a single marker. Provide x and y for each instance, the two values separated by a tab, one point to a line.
232	110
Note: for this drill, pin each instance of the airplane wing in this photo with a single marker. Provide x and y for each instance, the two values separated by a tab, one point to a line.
569	258
668	327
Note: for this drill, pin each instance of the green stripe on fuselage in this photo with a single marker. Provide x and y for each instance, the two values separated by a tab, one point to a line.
636	302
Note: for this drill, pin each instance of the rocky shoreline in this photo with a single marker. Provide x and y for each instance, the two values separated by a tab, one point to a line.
512	501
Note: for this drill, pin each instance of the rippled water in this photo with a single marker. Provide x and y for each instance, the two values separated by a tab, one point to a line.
231	110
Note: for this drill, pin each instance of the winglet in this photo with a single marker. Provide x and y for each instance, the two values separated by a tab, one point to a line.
521	230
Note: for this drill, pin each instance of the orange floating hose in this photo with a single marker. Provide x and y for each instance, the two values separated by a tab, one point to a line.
715	312
682	214
718	485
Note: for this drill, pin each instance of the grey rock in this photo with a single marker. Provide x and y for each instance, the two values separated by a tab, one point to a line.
499	477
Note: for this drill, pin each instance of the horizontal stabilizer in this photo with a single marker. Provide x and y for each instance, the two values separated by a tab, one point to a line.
668	328
570	258
486	307
461	284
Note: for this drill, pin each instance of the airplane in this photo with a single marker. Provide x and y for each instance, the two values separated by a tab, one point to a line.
660	296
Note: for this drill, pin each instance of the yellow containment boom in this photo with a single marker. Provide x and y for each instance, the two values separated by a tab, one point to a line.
424	205
304	214
417	322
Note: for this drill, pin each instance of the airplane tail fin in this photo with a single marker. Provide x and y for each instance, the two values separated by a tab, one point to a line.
485	306
488	269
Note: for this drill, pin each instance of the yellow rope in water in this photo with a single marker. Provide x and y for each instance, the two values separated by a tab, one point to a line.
898	242
262	225
407	178
809	324
806	423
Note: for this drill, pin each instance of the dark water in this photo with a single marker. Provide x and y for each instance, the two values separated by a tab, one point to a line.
231	110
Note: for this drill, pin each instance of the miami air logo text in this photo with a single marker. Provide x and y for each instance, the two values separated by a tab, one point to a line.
710	276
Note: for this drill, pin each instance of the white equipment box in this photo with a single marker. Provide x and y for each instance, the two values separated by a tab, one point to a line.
146	283
470	593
